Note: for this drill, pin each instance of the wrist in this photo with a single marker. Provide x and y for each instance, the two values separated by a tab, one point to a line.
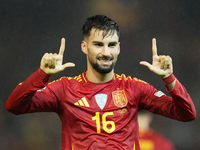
44	75
169	79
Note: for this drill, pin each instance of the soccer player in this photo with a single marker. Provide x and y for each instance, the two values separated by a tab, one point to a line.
148	138
98	108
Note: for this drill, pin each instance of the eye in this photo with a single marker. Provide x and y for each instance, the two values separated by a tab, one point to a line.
98	44
112	44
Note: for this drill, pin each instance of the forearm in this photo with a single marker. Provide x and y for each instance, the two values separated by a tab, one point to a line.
20	98
179	106
170	82
183	108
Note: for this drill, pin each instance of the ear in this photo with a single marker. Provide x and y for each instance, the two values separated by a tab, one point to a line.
84	47
118	48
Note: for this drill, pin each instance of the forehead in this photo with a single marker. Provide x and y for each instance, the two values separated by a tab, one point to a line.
96	34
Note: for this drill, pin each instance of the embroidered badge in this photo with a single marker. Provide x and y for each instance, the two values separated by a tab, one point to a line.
119	98
159	94
101	100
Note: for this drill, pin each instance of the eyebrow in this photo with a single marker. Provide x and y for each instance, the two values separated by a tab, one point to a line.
115	43
94	42
97	42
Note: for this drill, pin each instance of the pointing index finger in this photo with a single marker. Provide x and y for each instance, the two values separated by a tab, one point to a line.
154	47
62	46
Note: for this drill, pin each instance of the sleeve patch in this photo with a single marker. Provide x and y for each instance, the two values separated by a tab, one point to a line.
159	94
42	89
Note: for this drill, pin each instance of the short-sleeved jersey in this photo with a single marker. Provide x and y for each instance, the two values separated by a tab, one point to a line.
151	140
98	116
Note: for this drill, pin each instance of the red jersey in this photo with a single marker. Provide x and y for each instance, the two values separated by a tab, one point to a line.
150	140
98	116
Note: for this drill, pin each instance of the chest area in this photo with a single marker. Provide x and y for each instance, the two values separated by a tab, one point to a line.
103	98
105	109
109	101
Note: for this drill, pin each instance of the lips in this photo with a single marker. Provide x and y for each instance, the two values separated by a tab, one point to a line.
105	60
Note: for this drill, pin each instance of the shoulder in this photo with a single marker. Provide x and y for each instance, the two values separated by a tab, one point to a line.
66	81
125	78
134	84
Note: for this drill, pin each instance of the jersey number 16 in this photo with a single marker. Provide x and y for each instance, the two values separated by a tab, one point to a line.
105	123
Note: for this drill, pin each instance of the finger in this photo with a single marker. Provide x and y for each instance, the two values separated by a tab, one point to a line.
167	63
62	46
50	60
45	59
144	63
162	61
53	62
67	65
154	47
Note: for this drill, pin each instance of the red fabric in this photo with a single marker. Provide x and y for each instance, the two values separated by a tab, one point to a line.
150	140
169	79
85	125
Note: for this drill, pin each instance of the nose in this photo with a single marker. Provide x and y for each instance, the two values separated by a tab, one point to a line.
105	51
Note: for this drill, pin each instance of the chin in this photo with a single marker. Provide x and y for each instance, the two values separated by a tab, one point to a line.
104	70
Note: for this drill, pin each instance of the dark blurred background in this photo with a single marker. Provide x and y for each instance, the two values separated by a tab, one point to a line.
29	28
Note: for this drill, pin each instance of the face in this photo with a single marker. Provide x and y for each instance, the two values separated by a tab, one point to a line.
101	52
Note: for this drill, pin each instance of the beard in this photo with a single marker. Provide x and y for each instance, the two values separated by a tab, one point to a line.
103	69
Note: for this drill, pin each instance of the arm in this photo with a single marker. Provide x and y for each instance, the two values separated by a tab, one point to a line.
25	97
179	106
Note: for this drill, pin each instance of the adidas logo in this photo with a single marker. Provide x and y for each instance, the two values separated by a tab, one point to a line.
82	102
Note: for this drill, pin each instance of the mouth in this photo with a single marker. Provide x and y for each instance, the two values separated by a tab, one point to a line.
105	60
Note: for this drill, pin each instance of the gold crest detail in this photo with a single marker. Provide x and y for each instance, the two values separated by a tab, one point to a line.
119	98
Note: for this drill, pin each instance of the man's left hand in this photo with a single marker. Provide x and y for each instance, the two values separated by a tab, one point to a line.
161	64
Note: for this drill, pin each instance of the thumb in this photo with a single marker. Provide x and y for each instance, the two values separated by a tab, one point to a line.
145	63
67	65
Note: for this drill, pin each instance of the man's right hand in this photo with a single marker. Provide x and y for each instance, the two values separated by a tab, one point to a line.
52	63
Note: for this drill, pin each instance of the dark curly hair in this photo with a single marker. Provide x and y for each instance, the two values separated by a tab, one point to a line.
100	22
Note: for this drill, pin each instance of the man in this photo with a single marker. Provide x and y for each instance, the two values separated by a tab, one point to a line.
98	108
148	138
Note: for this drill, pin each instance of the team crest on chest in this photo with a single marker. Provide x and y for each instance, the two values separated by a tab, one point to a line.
119	98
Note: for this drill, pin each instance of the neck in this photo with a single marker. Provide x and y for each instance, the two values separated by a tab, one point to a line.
96	77
144	127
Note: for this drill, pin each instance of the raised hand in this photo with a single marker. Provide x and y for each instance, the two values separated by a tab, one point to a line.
161	65
52	63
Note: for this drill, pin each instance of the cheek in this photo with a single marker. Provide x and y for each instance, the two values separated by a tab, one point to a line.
91	57
115	53
92	52
115	58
